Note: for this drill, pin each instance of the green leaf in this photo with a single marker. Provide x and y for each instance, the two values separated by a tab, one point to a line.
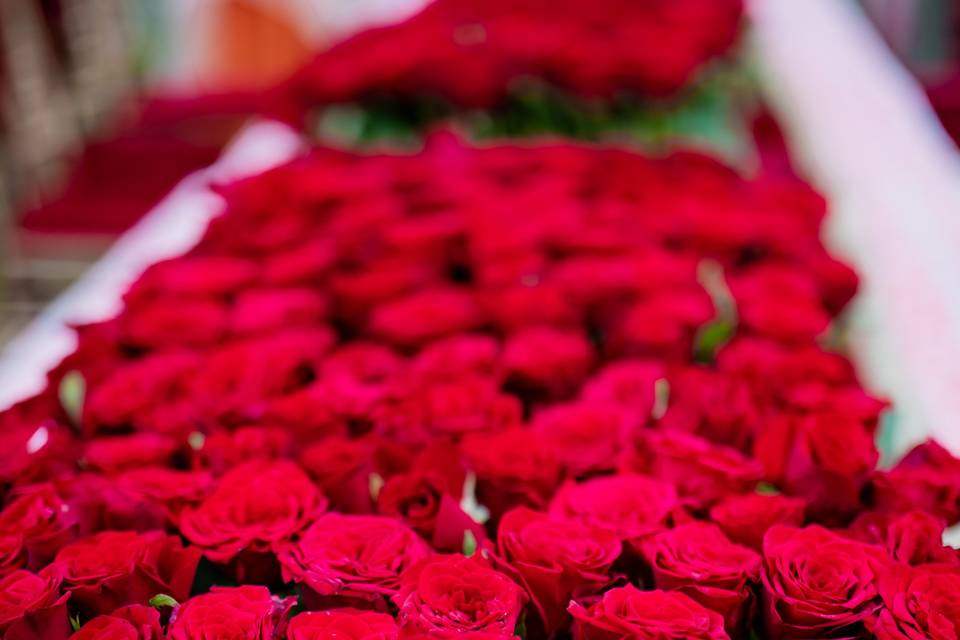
521	628
767	489
661	398
73	389
469	543
162	600
75	622
710	337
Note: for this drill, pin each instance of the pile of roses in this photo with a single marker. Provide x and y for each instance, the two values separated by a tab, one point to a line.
478	393
471	53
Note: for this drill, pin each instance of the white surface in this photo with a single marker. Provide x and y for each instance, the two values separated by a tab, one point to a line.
170	229
865	135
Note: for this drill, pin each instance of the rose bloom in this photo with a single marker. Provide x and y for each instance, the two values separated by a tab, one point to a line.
171	489
703	473
454	594
31	606
915	537
44	520
698	560
117	453
135	622
514	467
629	384
351	560
348	624
256	507
425	503
629	505
114	568
627	612
587	436
247	612
818	583
547	361
927	478
745	519
918	602
425	316
555	559
341	467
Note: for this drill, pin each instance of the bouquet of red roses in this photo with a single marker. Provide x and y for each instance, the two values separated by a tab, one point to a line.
476	393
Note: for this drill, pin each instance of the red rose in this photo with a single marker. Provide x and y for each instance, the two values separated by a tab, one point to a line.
627	612
342	623
44	520
230	612
194	275
545	360
453	594
555	560
223	450
662	325
31	606
698	560
457	356
170	488
115	568
351	560
915	537
586	436
927	478
630	505
703	473
817	583
168	321
514	467
745	519
425	316
342	468
256	507
135	622
116	453
629	384
425	503
264	310
918	602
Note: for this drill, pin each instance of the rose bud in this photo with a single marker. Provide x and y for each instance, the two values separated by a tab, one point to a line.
347	624
445	595
31	606
698	560
247	612
555	559
818	583
255	508
114	568
745	519
627	612
351	560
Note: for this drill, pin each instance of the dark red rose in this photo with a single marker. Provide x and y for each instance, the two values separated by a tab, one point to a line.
230	612
454	594
117	453
627	612
927	478
425	316
347	624
342	467
662	325
514	467
914	537
116	568
255	507
425	503
31	606
745	519
351	560
555	559
264	310
135	622
698	560
703	473
629	505
44	520
918	602
547	360
168	322
586	436
818	583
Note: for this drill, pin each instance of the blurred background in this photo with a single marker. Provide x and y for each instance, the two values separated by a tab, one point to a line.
106	104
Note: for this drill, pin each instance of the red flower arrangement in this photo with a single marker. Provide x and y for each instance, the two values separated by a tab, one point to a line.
476	393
